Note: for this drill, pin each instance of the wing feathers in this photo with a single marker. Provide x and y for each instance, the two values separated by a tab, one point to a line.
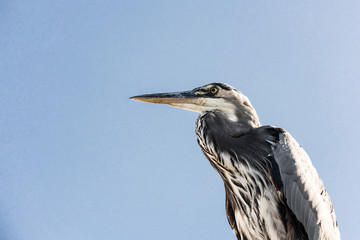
304	190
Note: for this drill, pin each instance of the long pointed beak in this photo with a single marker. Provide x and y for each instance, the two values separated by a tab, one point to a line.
186	97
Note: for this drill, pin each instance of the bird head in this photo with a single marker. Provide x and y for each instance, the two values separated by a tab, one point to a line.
218	97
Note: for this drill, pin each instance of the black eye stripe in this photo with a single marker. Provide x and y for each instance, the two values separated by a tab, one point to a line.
220	85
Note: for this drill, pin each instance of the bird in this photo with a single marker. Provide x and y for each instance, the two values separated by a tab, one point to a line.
272	190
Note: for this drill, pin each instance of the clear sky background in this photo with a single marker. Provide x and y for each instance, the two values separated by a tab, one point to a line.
79	160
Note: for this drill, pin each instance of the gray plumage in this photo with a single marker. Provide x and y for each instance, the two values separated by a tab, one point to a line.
272	189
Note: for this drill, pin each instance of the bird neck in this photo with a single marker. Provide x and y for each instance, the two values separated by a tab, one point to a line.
217	119
247	118
241	112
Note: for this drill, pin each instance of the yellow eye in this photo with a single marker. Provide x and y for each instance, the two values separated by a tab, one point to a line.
213	90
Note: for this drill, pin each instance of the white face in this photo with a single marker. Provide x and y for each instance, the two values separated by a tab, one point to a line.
210	104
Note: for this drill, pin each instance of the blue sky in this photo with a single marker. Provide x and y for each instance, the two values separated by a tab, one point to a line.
79	160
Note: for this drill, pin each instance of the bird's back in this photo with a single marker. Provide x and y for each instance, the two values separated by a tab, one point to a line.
255	201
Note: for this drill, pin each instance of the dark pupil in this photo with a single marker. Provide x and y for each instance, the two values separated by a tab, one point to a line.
213	90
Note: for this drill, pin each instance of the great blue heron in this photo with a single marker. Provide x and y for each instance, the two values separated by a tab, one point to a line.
272	189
